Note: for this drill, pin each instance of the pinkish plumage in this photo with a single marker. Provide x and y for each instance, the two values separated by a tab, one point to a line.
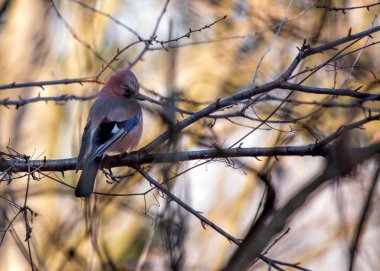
118	78
114	124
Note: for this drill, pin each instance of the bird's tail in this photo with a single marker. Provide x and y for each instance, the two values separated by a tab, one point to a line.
86	182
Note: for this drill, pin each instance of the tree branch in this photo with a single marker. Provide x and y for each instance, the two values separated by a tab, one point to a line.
331	91
257	239
41	84
141	157
58	99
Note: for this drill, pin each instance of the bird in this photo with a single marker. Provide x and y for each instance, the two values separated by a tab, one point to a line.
114	124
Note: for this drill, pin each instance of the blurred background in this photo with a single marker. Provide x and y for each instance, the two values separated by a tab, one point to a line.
74	39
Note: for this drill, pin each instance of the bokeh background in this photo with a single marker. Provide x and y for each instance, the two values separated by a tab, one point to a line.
128	232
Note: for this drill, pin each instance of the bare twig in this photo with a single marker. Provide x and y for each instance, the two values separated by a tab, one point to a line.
344	10
25	209
152	36
187	34
75	35
197	214
118	22
58	99
357	57
41	84
271	42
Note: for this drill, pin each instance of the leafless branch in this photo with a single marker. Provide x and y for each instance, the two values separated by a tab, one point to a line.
363	219
61	99
41	84
75	35
197	214
258	237
344	10
109	16
280	106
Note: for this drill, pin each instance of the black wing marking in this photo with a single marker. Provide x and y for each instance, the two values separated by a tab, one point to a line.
110	132
104	132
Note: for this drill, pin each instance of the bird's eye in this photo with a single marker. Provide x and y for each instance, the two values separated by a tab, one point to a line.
128	89
124	86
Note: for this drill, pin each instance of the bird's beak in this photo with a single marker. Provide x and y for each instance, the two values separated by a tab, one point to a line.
140	97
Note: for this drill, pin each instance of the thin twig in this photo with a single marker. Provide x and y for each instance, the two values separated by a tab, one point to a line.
344	10
271	42
61	99
197	214
41	84
75	35
118	22
152	36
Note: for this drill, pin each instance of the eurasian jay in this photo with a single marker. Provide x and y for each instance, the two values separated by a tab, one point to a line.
114	124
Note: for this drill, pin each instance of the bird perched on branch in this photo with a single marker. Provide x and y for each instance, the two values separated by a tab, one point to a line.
114	124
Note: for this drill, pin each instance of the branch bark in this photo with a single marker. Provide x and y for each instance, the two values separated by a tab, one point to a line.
141	157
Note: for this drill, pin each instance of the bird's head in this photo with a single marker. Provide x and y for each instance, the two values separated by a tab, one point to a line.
124	83
129	84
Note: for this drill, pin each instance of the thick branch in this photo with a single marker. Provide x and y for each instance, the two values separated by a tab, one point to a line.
256	240
138	158
333	44
278	83
331	91
142	157
219	104
306	51
364	215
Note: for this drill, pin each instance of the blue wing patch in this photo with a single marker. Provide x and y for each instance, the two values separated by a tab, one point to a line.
108	129
131	123
110	132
